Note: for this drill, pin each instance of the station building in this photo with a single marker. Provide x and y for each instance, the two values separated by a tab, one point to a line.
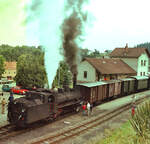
10	70
97	69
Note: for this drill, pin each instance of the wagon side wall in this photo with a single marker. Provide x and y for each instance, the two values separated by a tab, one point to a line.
132	86
142	84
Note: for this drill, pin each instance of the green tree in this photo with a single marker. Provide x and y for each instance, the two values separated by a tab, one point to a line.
12	53
63	75
95	54
2	65
66	79
144	45
31	71
85	52
91	54
141	124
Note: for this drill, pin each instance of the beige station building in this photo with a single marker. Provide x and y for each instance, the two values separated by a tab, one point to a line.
10	70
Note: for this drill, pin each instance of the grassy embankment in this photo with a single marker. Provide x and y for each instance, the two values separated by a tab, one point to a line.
123	135
135	131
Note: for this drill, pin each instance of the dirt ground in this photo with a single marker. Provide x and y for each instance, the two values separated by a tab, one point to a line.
74	119
66	122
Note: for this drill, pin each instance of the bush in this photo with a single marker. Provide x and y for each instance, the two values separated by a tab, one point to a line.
141	123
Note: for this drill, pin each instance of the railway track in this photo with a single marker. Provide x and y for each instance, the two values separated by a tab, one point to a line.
10	131
6	130
76	130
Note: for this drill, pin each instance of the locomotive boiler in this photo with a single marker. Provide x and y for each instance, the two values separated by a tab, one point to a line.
42	104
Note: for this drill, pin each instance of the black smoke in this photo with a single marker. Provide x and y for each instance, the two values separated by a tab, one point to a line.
72	29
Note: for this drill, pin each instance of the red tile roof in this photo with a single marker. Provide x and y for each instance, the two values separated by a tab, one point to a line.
10	65
128	52
110	66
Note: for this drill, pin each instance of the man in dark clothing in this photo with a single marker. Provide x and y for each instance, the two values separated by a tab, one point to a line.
11	97
91	107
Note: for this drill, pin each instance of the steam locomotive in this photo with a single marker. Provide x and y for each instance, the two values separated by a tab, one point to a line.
42	104
46	104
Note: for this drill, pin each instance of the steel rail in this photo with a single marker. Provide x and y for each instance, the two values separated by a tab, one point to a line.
93	122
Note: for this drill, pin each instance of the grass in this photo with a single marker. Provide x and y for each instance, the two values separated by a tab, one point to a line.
135	131
123	135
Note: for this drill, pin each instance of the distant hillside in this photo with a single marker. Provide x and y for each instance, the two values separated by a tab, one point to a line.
145	45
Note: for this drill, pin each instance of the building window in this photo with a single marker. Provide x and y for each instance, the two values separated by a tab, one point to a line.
141	73
144	62
85	74
141	62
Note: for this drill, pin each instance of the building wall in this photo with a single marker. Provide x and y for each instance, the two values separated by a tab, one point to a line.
91	72
132	62
114	76
143	68
9	73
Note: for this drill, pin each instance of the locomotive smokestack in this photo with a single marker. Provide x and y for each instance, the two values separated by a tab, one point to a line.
74	80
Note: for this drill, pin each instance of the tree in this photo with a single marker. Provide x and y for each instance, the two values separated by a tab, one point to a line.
144	45
91	54
63	75
140	123
95	54
85	52
2	65
31	71
12	53
66	79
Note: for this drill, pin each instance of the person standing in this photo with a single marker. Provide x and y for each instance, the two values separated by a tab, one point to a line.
88	108
133	110
11	97
84	108
3	103
91	108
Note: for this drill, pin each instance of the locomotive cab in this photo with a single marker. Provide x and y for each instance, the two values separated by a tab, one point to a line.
16	113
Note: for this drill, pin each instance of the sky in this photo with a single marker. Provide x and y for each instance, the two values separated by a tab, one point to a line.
111	24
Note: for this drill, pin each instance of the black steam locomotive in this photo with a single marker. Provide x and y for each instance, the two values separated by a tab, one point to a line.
42	104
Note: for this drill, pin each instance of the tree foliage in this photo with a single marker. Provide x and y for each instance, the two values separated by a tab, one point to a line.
92	54
141	122
12	53
63	75
2	65
144	45
31	71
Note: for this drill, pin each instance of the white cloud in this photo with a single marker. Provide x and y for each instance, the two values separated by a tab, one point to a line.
124	21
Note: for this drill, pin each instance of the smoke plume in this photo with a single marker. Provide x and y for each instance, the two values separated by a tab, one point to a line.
56	24
72	29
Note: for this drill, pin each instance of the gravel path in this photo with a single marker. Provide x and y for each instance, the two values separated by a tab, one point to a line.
70	121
